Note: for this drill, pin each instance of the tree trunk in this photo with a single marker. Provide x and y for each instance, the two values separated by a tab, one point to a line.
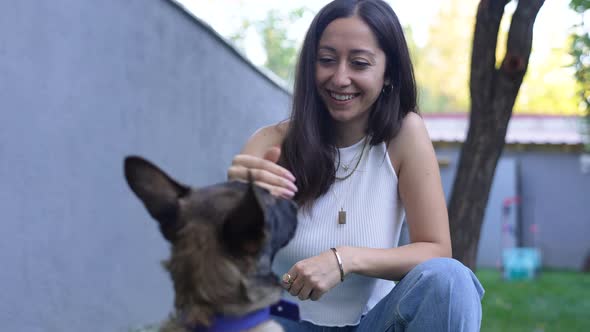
493	93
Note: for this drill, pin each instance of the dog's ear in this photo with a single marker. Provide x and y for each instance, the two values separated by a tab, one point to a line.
158	192
282	221
243	227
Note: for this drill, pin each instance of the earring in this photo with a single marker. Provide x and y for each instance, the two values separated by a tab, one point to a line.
387	89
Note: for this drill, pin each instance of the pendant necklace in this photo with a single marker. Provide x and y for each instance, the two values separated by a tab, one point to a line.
342	212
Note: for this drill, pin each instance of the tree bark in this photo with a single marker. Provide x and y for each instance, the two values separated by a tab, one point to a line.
493	93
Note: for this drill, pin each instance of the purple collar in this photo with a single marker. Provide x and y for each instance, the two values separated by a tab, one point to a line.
234	324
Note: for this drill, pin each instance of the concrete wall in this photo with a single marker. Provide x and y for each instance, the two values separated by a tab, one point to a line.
82	84
555	195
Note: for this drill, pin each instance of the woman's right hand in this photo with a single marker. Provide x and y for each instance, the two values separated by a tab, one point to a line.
265	172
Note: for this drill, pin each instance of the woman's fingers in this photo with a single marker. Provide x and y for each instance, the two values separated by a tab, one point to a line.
260	176
265	176
301	287
278	187
276	191
268	175
296	286
305	291
265	173
315	295
252	162
315	276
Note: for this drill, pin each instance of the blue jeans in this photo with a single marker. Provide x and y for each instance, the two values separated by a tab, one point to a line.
440	294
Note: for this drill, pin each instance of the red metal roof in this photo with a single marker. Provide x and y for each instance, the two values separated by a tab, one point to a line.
522	129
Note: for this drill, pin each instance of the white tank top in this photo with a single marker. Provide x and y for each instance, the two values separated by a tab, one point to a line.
374	215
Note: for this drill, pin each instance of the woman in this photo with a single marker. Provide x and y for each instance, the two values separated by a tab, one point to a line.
357	158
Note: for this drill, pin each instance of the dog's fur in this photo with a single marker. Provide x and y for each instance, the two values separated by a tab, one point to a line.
223	238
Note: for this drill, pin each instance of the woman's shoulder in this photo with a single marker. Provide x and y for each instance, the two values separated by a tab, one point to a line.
266	137
273	134
413	124
412	127
412	132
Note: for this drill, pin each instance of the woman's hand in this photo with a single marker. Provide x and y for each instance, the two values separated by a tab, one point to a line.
265	172
313	277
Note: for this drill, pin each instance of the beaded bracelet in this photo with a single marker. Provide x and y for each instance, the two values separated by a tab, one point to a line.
339	263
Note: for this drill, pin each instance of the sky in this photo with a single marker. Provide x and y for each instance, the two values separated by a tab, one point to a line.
551	27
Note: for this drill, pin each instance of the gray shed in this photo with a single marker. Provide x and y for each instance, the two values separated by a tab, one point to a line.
541	187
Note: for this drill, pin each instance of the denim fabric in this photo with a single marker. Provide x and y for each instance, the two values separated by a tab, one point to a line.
440	294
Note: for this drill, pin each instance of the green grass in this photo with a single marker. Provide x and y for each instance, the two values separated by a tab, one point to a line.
555	301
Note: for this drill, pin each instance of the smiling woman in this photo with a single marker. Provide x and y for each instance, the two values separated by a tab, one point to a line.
350	73
356	156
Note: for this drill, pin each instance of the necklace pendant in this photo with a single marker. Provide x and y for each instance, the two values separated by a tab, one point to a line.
341	217
345	168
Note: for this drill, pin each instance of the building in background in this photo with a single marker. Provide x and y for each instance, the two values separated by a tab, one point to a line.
541	191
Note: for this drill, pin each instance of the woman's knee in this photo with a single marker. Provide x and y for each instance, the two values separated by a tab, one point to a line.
442	288
448	274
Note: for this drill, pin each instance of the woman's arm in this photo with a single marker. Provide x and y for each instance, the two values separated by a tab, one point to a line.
421	192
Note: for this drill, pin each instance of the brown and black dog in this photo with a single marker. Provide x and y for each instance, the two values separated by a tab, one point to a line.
223	239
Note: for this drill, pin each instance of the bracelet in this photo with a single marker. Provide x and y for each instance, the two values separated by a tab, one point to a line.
339	263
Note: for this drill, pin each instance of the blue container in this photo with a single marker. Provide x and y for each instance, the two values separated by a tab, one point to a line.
521	263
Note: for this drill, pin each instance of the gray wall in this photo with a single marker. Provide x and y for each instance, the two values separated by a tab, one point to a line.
558	197
554	194
82	84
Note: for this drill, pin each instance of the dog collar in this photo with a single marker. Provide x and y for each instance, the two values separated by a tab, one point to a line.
230	324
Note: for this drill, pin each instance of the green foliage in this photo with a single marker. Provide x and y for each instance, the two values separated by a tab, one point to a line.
580	5
580	50
239	36
280	48
556	301
281	51
443	70
549	86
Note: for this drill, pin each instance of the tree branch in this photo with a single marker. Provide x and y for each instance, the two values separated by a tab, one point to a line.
514	66
483	56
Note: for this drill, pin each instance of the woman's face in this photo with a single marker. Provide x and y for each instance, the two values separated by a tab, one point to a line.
350	69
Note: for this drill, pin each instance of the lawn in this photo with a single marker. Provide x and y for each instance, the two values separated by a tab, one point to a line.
556	301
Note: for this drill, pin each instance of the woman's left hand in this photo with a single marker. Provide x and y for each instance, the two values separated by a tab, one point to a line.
312	277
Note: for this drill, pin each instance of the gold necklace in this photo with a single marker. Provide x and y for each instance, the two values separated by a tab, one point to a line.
342	212
346	166
355	166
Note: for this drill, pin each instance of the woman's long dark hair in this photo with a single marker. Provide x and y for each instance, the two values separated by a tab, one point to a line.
308	149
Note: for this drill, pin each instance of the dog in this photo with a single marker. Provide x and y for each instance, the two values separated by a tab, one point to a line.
223	239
